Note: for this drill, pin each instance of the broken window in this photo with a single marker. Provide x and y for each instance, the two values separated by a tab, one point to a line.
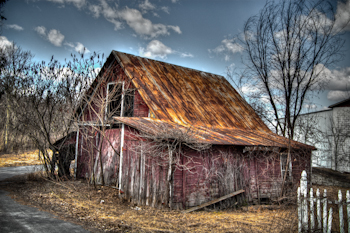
283	159
129	103
114	99
120	101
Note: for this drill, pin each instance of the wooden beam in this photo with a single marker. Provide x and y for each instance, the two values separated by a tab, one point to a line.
213	201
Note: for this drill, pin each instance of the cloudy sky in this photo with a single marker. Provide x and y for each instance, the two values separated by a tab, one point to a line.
192	33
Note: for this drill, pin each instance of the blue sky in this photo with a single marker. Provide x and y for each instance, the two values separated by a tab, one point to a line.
192	33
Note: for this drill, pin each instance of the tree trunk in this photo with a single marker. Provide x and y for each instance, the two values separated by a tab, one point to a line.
7	124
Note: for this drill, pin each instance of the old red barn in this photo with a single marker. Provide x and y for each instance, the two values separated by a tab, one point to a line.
168	135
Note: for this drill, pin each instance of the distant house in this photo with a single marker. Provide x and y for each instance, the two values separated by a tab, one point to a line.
329	132
168	135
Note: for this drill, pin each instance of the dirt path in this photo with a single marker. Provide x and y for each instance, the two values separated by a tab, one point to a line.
15	217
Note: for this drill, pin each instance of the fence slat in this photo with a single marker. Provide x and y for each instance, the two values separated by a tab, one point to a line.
303	190
324	211
348	208
319	218
330	218
299	211
312	216
341	219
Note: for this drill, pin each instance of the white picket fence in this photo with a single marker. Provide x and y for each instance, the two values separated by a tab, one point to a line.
307	208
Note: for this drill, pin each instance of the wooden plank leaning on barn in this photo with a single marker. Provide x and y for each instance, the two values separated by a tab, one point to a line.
213	201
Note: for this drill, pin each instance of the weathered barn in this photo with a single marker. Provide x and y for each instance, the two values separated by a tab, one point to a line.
169	135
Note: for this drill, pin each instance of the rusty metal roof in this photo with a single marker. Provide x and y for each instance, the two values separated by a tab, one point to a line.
189	97
212	135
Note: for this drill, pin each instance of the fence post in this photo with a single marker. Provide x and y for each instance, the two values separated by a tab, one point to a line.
303	191
319	218
312	217
324	211
348	208
341	219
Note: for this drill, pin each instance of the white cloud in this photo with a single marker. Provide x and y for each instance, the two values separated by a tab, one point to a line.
144	27
336	80
146	6
231	46
111	14
165	9
175	28
78	47
4	42
227	47
78	3
41	30
54	36
15	27
342	15
310	106
186	55
174	1
154	49
133	18
338	95
95	10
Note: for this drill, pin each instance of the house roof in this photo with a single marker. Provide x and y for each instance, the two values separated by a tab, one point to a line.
188	97
343	103
212	135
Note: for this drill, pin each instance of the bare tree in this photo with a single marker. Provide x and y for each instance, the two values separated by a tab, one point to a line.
287	45
49	100
338	137
15	63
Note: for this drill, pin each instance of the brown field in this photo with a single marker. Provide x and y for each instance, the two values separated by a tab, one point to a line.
22	159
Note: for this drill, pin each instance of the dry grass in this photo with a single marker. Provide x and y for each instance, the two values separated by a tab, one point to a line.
101	210
23	159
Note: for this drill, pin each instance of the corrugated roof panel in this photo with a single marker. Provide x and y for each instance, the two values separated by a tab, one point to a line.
188	96
213	135
183	98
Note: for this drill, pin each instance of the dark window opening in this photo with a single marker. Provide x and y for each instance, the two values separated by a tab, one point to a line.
119	103
129	103
115	91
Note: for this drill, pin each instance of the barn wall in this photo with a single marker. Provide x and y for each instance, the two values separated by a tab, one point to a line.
198	176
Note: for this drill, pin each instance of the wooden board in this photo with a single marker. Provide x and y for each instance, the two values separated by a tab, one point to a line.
213	201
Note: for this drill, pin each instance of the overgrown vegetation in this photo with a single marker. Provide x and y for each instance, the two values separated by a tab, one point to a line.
38	100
